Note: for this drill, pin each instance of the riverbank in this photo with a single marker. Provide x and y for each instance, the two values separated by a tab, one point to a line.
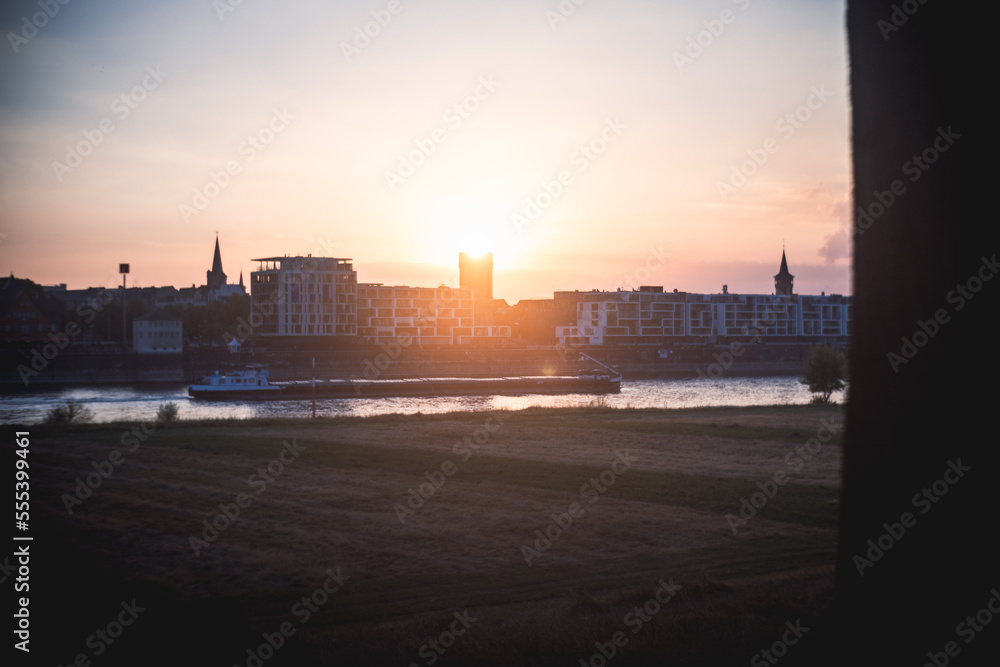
221	527
141	403
25	368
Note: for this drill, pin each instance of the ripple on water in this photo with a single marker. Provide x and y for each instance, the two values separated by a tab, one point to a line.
132	404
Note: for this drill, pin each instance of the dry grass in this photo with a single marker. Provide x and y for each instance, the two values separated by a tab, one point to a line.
333	507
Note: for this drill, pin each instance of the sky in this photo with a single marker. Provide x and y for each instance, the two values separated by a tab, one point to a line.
589	144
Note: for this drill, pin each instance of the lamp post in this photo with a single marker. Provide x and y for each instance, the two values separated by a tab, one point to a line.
123	269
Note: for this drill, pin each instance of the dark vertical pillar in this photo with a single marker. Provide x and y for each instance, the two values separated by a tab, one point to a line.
922	416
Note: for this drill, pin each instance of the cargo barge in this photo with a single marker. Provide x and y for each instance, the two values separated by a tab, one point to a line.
252	384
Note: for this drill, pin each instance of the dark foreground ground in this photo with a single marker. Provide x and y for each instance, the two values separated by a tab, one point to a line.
334	561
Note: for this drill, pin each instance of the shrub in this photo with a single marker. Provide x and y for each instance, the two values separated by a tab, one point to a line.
825	372
600	403
167	413
69	412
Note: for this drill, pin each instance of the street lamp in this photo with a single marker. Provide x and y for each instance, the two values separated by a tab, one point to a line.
123	269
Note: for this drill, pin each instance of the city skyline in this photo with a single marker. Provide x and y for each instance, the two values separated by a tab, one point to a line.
583	145
216	278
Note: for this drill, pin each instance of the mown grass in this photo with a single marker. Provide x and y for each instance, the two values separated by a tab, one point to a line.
712	422
334	504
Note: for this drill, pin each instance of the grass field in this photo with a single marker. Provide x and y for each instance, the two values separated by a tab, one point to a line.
424	517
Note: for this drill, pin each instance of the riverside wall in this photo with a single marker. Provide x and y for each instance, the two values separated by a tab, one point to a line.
22	369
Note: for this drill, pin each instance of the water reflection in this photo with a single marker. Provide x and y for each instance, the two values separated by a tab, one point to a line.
131	404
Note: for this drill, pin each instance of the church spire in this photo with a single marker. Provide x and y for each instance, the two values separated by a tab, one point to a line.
217	260
216	278
783	281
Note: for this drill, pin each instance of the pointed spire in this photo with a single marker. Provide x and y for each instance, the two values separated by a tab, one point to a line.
215	278
783	281
241	280
217	259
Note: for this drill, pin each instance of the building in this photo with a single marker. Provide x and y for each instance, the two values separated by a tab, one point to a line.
650	316
216	287
27	313
318	300
476	274
535	320
301	297
158	332
422	316
215	277
783	280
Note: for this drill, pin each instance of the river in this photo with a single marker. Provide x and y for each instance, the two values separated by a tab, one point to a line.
132	404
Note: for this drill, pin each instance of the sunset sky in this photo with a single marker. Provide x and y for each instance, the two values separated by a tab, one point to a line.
431	137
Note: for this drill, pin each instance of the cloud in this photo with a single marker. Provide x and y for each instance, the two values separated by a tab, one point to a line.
835	246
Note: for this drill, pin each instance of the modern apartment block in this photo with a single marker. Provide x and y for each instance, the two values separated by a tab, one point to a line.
422	316
649	316
316	298
304	296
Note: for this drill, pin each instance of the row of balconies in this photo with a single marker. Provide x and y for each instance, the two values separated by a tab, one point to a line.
425	332
415	312
789	330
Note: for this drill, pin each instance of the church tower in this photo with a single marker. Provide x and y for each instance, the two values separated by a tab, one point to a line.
783	281
216	278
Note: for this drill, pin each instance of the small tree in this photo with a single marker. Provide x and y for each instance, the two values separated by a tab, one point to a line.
167	413
825	372
69	412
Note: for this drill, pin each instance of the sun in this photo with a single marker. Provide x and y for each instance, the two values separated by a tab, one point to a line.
475	243
473	225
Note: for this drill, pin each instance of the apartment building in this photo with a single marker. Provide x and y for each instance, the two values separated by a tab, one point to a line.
422	316
304	296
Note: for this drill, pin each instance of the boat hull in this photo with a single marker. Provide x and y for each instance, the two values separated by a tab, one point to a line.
424	387
272	393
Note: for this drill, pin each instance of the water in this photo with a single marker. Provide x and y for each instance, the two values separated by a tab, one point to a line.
133	404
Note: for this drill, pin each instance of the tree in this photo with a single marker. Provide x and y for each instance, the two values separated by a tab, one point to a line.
825	371
69	412
167	413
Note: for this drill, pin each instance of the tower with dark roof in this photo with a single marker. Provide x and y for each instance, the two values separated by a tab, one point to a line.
216	278
783	281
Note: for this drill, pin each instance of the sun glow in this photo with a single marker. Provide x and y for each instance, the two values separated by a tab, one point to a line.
473	225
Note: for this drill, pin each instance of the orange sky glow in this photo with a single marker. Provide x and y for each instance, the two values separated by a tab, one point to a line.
679	143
